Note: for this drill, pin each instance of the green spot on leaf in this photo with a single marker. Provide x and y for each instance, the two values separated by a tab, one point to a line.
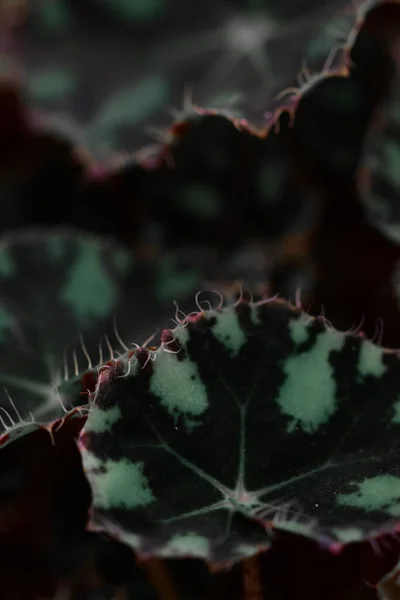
102	420
122	485
228	331
380	493
186	544
90	292
298	329
371	360
308	393
180	391
348	534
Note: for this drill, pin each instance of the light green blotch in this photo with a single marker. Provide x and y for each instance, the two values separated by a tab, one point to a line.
305	529
351	534
7	265
122	485
51	84
299	331
90	291
182	335
130	106
227	330
201	201
172	383
370	360
6	322
172	281
90	461
187	544
271	180
137	10
375	493
308	393
100	420
246	550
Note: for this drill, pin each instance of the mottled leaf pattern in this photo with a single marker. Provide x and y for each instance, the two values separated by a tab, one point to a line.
254	48
59	296
250	413
54	289
249	423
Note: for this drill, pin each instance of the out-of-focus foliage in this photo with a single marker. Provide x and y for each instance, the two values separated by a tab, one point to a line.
150	150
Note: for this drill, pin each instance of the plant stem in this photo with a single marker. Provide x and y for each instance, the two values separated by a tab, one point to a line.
161	579
252	589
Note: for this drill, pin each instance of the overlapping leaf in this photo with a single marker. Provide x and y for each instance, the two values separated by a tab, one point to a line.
254	48
59	295
250	413
378	178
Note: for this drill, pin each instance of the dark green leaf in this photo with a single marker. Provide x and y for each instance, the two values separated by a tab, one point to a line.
254	412
59	294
